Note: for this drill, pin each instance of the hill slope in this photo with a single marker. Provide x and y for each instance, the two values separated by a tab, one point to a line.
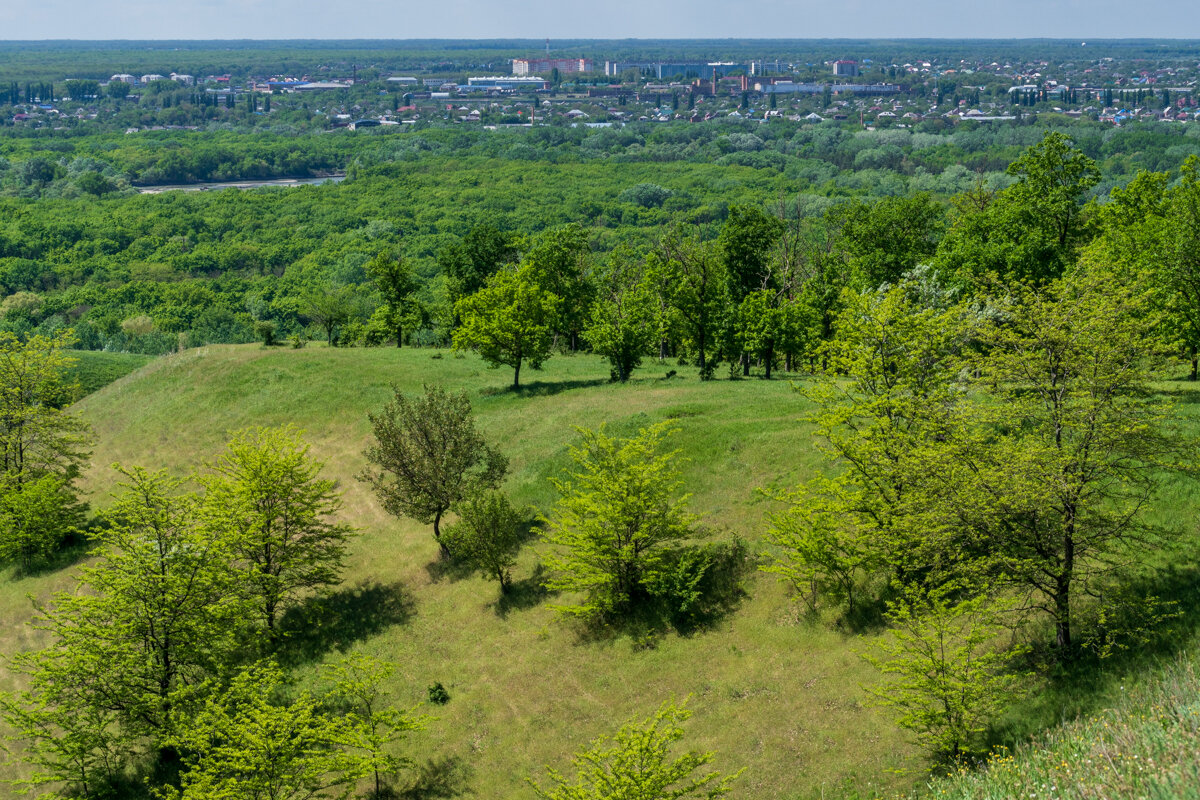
770	691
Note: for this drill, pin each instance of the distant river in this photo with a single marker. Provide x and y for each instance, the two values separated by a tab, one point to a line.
215	187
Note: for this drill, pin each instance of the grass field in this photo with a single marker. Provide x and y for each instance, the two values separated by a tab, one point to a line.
771	690
93	370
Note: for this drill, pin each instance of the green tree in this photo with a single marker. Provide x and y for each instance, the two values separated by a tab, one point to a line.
746	242
558	261
885	239
37	436
621	326
246	742
35	517
151	619
265	492
330	308
1084	441
1025	450
393	278
511	321
374	726
487	535
468	264
878	521
699	296
428	456
949	680
1031	231
614	520
1149	229
636	764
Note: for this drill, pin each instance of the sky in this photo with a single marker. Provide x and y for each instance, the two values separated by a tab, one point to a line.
605	19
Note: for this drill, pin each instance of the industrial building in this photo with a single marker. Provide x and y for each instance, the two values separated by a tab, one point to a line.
527	83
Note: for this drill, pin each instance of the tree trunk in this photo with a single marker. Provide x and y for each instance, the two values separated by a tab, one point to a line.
517	375
768	359
1192	377
437	533
1062	593
745	365
399	338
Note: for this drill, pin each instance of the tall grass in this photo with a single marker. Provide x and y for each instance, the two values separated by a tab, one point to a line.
1145	746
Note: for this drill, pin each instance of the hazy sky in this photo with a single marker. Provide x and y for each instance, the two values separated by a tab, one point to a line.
485	19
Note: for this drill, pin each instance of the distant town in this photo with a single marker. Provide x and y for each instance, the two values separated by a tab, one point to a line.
555	89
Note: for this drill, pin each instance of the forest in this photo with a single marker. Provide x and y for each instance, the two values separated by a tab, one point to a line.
747	458
206	267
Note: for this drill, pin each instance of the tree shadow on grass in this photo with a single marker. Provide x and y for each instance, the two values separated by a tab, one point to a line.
336	621
1086	682
699	587
448	569
523	594
546	388
436	779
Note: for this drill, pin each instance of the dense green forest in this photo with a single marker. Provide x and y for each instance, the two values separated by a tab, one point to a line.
77	249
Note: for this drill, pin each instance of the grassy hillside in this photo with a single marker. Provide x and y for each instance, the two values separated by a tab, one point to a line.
770	691
95	369
1145	746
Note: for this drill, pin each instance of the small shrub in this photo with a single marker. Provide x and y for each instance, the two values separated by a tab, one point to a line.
265	329
438	694
299	340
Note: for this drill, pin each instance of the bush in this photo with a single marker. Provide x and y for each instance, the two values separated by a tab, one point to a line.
438	694
486	536
265	330
646	195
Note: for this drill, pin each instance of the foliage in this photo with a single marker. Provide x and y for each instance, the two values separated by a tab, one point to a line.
266	495
246	741
330	308
438	694
487	535
884	240
37	436
950	681
394	280
1028	456
696	282
636	764
1032	230
620	327
510	321
36	516
265	330
374	727
428	456
614	519
844	536
745	242
468	263
131	649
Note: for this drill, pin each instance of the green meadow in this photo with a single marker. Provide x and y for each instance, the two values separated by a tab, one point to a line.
772	689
